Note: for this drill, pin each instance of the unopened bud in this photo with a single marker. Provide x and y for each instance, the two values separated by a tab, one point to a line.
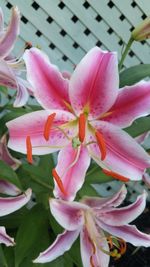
142	31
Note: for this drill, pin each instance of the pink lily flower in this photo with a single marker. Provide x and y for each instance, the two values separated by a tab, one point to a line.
9	205
83	118
104	229
11	67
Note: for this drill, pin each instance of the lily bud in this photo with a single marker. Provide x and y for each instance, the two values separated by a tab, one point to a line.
142	31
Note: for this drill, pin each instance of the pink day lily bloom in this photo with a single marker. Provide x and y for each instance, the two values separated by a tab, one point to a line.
6	156
9	205
104	229
11	67
83	118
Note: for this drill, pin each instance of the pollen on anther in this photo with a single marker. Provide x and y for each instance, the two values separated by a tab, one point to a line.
29	149
101	144
48	126
59	182
116	175
82	126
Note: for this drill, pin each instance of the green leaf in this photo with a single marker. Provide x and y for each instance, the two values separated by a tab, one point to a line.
3	262
14	219
32	236
4	90
7	173
139	127
96	176
134	74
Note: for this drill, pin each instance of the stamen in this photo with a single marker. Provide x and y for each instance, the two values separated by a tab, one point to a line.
123	246
93	245
91	261
48	126
59	182
101	144
29	149
82	125
116	175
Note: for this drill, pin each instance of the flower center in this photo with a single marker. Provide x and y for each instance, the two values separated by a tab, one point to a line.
117	247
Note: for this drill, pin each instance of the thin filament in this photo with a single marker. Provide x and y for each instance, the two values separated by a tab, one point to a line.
82	125
59	182
116	175
48	126
29	149
101	143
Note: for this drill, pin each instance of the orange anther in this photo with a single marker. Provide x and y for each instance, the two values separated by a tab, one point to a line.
91	261
82	125
116	175
101	143
59	182
29	149
48	126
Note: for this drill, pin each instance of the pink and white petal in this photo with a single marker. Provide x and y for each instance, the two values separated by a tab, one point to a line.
9	188
8	39
22	95
49	86
129	233
123	154
146	179
72	167
1	21
142	138
68	214
7	76
107	202
94	84
32	124
66	74
6	156
125	215
99	258
62	244
5	239
11	204
132	103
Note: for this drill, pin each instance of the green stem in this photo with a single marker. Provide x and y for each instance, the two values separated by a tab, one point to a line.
41	183
125	52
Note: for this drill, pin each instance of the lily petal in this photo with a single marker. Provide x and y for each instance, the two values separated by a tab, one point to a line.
7	41
11	204
132	103
33	124
125	215
7	77
99	258
50	88
102	202
22	94
72	166
146	179
123	154
68	214
4	238
62	244
129	233
6	156
9	188
93	86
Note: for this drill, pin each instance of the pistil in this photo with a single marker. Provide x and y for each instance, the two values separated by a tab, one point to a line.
48	126
59	182
101	143
29	149
116	175
82	127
